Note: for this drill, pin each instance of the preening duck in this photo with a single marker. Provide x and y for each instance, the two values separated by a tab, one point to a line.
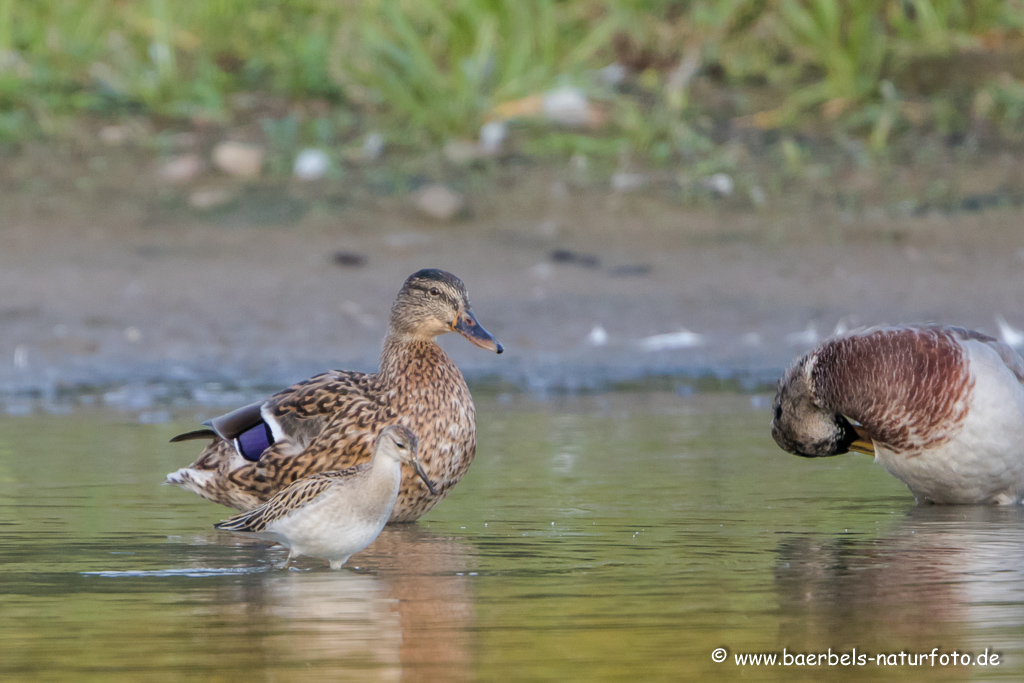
330	422
333	515
941	408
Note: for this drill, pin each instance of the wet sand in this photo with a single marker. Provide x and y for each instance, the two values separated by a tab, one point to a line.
122	291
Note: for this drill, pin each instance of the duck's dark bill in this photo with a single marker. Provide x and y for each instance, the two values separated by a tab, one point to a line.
469	328
416	465
252	442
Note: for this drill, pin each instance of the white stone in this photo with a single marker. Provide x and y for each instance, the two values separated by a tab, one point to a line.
628	182
613	74
598	336
683	339
492	136
181	169
439	202
311	164
238	159
21	356
568	106
114	136
720	183
373	147
462	152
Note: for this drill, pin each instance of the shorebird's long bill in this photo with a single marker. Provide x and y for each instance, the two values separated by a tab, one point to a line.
468	327
421	473
864	443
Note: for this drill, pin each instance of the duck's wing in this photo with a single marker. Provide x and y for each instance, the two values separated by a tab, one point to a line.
298	415
302	412
296	496
326	423
1011	359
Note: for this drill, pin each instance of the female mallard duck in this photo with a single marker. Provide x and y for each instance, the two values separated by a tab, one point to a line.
331	421
941	408
333	515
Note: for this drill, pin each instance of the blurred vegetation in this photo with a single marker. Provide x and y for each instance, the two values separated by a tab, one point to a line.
667	80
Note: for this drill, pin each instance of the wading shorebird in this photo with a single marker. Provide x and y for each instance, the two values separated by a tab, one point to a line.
331	421
941	408
333	515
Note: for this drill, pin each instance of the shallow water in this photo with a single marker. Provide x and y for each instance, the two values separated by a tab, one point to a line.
620	536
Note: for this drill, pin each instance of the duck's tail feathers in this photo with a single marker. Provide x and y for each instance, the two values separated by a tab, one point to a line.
210	477
237	422
190	479
196	434
211	485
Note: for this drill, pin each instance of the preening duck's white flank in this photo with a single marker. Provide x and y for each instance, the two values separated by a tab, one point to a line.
982	462
943	408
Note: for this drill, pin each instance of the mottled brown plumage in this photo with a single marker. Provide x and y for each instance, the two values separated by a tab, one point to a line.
330	422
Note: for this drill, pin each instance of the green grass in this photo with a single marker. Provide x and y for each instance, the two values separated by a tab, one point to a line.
425	71
441	66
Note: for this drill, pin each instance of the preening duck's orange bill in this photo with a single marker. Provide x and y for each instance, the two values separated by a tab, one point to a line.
864	443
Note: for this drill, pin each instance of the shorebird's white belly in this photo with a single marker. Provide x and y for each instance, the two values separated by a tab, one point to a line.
332	527
984	461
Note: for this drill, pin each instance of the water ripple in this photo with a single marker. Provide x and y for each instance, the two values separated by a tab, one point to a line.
195	572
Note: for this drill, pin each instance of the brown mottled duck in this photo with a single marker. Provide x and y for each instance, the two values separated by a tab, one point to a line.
330	422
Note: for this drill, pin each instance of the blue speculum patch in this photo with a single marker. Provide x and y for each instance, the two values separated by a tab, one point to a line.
252	442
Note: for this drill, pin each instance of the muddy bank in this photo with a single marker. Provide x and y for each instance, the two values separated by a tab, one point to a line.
126	292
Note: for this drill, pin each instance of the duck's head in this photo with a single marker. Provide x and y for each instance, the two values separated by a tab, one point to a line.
433	302
802	427
399	443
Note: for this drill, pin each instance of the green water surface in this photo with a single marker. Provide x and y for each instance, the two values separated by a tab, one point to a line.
617	537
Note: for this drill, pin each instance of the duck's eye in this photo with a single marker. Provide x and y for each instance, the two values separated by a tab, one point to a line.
400	444
434	291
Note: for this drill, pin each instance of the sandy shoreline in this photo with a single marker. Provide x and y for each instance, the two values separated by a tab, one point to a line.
122	295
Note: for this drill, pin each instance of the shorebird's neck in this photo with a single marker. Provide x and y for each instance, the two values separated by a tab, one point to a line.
383	464
384	478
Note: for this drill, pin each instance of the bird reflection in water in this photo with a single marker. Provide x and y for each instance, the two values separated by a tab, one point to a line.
942	573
